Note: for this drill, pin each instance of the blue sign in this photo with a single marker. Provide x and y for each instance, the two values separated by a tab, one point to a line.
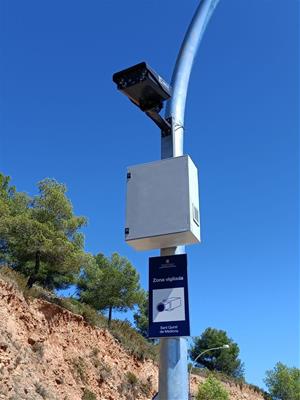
168	296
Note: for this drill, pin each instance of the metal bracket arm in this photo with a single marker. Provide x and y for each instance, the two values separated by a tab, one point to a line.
162	123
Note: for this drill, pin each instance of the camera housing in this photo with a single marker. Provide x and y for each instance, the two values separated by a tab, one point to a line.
144	87
147	90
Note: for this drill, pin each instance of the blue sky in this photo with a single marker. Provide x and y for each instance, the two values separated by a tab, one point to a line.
62	117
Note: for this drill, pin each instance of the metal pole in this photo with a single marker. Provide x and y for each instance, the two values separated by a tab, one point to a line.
173	372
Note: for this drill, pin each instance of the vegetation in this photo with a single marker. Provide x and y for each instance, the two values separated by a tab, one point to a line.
41	249
38	348
110	283
141	316
212	389
133	342
240	382
205	373
222	360
39	236
132	386
87	312
14	277
131	378
79	369
88	395
103	368
283	382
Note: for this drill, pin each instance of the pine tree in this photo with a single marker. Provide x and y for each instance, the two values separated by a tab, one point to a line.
110	283
222	360
40	236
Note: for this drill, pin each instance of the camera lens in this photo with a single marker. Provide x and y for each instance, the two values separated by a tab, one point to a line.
160	307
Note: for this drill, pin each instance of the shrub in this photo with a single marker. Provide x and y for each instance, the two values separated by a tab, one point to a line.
129	391
11	276
38	348
95	351
212	389
103	368
20	282
133	342
87	312
132	387
79	369
146	387
132	378
104	374
88	395
230	380
258	390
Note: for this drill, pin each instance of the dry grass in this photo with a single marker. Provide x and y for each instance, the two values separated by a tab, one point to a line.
79	369
132	342
132	387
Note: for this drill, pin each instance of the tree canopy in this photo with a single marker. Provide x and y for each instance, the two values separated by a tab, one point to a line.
283	382
39	236
110	283
141	316
222	360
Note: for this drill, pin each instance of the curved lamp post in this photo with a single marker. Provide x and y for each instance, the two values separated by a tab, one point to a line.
181	77
225	346
173	373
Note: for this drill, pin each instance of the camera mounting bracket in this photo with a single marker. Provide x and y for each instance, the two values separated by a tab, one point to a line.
163	123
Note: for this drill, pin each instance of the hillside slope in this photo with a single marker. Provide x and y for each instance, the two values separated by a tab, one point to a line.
46	352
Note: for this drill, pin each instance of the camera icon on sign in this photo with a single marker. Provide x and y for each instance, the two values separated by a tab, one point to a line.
169	304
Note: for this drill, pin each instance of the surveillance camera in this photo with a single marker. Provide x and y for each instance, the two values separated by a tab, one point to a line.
169	304
144	87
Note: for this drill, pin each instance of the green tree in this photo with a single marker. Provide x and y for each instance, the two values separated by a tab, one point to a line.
110	283
141	316
12	205
222	360
39	236
6	193
212	389
283	383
